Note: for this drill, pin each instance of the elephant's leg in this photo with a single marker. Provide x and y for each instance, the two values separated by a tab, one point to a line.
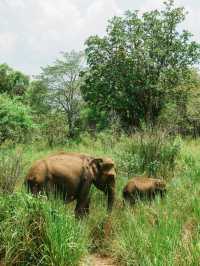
82	208
150	196
51	190
83	200
129	198
132	199
162	193
68	198
111	195
87	205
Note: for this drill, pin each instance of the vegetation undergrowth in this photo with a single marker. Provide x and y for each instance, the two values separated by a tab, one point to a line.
166	232
142	74
39	232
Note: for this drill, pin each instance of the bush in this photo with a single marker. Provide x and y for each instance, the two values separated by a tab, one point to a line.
152	152
15	119
54	129
36	232
11	167
165	232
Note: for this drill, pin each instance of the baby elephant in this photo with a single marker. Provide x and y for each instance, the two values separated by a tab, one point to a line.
143	188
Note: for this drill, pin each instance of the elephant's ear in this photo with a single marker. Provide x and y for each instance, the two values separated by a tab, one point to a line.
160	184
97	161
108	164
105	165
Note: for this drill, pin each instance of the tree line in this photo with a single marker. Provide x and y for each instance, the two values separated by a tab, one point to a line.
143	72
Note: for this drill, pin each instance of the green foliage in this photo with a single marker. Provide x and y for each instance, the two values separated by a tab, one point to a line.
12	82
54	129
134	69
165	232
36	232
11	170
162	234
180	114
93	120
15	119
152	152
36	97
63	82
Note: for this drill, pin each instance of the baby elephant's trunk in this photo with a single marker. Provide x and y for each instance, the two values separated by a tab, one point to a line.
127	197
31	186
161	187
125	194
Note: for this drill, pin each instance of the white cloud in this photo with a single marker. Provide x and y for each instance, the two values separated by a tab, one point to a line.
95	19
7	43
151	5
15	3
46	27
33	32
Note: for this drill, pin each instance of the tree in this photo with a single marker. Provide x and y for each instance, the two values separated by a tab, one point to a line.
193	105
12	82
181	114
134	69
15	119
36	97
63	82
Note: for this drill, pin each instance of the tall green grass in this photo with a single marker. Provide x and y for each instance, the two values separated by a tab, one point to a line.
39	232
11	169
166	232
153	153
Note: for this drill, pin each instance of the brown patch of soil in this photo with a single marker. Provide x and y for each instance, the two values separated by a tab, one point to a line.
189	230
96	260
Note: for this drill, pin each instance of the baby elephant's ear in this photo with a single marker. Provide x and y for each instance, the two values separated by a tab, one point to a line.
160	184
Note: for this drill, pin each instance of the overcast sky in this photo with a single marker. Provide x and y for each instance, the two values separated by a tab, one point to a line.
33	32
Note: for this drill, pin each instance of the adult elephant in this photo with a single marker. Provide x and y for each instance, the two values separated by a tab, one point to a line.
72	174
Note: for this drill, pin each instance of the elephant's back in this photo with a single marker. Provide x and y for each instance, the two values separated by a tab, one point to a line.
65	154
141	183
64	168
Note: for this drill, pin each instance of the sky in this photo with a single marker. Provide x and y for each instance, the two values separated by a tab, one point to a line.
34	32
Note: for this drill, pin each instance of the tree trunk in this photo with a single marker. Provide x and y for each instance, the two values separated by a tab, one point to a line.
71	125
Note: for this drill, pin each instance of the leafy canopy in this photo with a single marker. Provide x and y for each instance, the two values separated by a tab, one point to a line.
63	83
15	119
134	69
12	82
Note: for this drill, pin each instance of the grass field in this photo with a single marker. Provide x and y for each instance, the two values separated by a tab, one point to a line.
166	232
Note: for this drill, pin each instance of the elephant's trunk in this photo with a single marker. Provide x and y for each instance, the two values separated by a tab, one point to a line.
111	197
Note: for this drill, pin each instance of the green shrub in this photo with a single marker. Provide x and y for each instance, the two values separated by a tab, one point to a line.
38	232
152	152
11	169
165	232
15	119
145	238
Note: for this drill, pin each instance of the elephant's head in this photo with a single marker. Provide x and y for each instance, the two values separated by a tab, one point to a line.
104	175
160	186
32	186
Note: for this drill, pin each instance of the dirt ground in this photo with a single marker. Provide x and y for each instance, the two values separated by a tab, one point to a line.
96	260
